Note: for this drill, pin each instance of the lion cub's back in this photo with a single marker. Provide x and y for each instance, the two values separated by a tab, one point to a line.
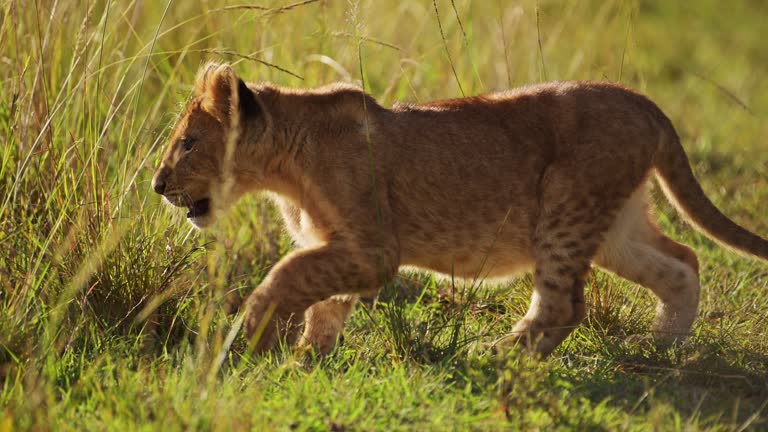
466	188
465	167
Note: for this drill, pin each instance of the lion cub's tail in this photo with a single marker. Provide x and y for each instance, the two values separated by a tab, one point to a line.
685	193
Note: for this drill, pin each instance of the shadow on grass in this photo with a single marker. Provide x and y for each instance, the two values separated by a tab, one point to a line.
701	380
709	381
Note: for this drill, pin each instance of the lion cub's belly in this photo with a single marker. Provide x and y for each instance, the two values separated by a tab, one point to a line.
469	254
475	265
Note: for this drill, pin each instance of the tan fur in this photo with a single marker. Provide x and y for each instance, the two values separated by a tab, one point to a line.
549	177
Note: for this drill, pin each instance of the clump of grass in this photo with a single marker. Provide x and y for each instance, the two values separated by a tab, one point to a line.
431	328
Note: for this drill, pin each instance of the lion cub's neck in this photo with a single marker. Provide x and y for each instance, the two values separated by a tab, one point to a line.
304	126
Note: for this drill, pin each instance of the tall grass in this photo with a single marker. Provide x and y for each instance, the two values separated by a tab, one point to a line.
109	300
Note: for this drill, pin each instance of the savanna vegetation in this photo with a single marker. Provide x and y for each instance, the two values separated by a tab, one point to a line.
116	315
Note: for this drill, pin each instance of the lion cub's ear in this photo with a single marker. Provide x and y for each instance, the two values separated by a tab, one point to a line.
224	94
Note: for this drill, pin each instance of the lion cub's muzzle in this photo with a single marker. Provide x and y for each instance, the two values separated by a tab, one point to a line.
159	181
199	209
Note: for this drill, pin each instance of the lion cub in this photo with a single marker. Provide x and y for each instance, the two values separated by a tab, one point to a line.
548	177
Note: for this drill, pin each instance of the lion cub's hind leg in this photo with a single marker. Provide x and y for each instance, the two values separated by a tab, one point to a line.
567	237
324	322
637	250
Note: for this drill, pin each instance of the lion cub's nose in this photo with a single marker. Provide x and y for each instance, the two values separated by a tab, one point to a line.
158	185
158	182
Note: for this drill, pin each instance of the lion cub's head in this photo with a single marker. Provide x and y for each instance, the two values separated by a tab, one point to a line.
212	156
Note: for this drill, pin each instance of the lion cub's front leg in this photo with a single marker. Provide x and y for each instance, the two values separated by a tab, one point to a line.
306	277
324	322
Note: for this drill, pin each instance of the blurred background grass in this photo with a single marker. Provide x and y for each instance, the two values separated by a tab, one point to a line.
114	313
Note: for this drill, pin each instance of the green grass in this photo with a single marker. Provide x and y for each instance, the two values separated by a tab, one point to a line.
114	314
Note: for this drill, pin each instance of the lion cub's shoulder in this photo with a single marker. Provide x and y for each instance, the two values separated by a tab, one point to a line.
340	98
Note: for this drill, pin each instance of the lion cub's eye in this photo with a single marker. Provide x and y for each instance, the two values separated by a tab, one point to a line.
187	143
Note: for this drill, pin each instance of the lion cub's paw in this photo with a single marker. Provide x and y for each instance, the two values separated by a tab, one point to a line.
266	324
321	343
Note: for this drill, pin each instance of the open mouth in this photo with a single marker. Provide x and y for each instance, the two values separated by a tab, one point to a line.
199	208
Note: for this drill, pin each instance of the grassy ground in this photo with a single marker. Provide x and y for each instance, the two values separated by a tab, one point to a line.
115	315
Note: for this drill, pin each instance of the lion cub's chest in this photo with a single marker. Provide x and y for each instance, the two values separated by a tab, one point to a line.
298	223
